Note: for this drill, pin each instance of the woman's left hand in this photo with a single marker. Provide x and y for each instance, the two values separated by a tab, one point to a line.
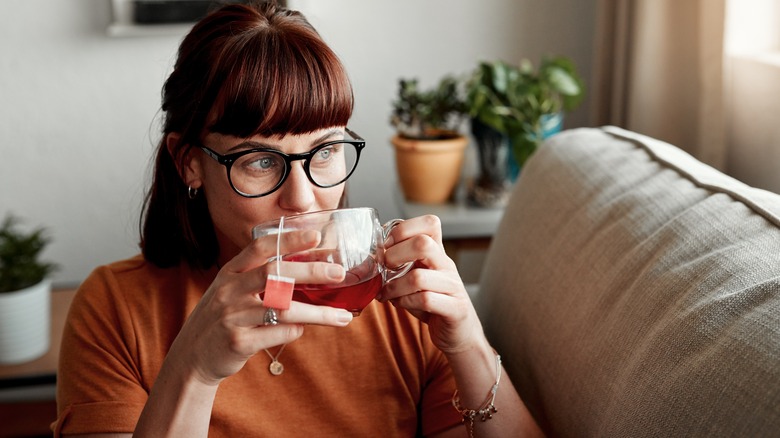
433	290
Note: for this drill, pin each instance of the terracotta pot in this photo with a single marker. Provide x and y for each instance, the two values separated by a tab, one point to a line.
429	170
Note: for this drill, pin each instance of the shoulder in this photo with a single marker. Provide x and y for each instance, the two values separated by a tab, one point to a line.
104	293
133	307
136	276
135	288
128	272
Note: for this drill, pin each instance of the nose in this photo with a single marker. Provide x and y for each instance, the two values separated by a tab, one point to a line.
297	192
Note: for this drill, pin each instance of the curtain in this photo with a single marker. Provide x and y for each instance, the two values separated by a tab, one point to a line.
658	70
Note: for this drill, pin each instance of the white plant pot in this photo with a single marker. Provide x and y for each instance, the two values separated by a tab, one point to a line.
25	317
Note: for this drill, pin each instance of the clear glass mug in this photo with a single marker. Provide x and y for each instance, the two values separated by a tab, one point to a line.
351	237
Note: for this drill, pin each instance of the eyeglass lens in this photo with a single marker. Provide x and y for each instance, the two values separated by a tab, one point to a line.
258	173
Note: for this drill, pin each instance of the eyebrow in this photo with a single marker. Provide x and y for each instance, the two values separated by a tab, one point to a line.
250	144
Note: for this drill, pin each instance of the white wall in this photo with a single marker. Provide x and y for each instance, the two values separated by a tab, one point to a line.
79	110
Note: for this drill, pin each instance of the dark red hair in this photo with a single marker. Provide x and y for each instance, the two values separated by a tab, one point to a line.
243	70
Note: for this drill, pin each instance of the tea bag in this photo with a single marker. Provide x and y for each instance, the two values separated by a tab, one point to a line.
278	289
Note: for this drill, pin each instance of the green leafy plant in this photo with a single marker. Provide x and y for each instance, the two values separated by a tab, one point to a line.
428	114
19	253
513	99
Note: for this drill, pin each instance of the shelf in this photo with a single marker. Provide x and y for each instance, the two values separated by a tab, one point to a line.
123	25
138	30
458	219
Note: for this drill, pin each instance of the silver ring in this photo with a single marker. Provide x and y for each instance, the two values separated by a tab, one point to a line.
270	317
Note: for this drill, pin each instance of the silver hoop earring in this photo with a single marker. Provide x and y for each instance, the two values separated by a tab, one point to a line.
191	193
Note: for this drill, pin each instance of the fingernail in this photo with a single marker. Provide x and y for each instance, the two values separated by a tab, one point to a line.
334	271
344	317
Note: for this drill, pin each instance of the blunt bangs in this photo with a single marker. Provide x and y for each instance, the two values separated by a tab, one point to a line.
281	84
243	70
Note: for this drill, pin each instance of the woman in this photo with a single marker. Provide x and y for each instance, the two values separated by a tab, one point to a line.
176	342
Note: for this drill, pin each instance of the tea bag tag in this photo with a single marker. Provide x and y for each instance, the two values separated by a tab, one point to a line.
278	292
278	289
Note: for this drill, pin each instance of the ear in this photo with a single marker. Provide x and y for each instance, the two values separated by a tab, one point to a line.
188	165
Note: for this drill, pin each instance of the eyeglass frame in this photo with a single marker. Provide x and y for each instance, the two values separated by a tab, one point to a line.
229	159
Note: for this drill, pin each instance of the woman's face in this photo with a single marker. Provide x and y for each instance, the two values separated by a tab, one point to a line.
234	215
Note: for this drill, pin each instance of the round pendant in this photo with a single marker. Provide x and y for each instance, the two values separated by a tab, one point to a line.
276	368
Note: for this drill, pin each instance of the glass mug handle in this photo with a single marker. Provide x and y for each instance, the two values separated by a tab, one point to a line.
389	274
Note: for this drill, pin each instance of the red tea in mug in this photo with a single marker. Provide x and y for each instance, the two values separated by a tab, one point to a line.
360	285
352	238
353	297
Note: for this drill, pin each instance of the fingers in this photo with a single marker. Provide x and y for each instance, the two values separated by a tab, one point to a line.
440	300
433	291
306	272
426	292
255	335
260	250
241	331
418	239
298	313
423	280
246	274
239	304
428	225
434	285
421	248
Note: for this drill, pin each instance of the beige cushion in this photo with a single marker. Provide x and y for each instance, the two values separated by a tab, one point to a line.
633	291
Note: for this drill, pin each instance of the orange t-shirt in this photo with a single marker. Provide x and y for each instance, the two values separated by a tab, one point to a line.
379	376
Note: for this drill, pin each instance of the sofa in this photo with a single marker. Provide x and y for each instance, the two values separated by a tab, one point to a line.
634	291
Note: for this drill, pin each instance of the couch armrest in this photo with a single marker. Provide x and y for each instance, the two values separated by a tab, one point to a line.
634	291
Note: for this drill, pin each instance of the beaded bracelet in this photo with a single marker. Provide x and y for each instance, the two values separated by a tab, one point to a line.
486	410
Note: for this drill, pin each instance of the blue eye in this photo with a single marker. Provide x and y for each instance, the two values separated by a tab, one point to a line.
326	155
262	163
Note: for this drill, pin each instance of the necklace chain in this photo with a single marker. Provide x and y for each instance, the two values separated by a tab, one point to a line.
276	368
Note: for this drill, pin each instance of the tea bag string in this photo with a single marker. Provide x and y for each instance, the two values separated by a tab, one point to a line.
279	247
275	367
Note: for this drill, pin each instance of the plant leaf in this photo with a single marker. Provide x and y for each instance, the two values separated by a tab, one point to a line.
562	82
500	78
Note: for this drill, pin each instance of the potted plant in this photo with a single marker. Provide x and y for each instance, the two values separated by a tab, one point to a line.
429	150
25	293
512	109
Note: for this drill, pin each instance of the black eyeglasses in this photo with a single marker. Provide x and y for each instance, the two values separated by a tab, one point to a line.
261	171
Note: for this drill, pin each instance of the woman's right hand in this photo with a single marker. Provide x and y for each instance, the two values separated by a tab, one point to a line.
226	327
